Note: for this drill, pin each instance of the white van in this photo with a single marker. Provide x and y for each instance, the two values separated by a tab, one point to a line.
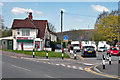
76	45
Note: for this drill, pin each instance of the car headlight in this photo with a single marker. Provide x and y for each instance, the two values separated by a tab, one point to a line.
111	52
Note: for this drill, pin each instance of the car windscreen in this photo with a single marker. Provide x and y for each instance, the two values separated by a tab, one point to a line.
75	44
58	46
102	47
115	49
89	48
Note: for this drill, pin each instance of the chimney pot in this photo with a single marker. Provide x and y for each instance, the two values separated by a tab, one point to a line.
30	15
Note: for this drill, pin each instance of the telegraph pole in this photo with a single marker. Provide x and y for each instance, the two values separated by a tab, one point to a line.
61	25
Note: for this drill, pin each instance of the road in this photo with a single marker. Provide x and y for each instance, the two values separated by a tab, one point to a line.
20	68
98	59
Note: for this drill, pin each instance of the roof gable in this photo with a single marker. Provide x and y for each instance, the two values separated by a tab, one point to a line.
28	23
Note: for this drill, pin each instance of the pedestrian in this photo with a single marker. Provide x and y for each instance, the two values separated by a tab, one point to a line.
36	47
22	46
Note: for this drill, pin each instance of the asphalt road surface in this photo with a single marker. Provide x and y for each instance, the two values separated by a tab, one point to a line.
20	68
98	58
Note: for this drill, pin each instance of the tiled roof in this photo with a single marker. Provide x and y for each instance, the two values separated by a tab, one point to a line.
28	23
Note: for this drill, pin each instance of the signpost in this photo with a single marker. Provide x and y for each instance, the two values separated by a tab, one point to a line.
65	38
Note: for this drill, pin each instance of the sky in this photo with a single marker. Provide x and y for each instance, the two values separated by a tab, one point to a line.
77	15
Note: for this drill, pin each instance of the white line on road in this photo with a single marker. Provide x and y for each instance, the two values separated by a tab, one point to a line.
68	66
48	76
49	63
74	67
44	62
63	65
86	63
20	68
52	63
81	68
57	64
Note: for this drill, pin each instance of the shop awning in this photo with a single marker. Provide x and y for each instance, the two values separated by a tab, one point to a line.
20	40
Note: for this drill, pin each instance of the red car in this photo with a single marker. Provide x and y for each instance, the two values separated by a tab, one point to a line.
113	51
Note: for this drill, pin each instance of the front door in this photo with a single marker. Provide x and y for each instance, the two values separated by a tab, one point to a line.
10	44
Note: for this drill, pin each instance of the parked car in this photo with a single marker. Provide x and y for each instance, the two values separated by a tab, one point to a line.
102	49
113	51
88	51
58	46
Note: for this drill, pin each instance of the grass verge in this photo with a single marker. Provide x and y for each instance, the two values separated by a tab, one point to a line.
39	53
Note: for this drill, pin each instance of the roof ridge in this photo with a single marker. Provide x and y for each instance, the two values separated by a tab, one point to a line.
33	23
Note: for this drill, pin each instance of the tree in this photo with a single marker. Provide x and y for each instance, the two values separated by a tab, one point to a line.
51	27
106	28
1	23
4	31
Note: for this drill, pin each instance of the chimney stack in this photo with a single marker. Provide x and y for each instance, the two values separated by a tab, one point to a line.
30	15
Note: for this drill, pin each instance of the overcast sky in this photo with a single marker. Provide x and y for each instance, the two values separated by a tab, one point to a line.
77	15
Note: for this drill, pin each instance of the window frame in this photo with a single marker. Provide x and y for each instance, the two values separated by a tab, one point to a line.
25	32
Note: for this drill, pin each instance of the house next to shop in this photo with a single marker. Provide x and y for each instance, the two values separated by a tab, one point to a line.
30	33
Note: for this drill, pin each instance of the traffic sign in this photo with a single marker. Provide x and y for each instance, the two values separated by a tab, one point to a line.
65	37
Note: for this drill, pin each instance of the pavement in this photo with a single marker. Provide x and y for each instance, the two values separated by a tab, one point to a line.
112	69
22	65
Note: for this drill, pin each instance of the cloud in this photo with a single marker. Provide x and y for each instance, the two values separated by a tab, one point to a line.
1	4
63	10
99	8
17	10
79	20
38	12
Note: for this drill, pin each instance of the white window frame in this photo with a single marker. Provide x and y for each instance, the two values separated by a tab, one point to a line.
25	32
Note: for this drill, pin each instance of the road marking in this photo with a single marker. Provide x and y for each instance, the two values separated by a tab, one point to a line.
74	67
13	56
68	66
48	76
20	68
97	69
63	65
88	69
81	68
44	62
81	57
49	63
88	64
37	61
57	64
52	63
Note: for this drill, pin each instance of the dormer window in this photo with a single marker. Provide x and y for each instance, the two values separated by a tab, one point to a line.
25	32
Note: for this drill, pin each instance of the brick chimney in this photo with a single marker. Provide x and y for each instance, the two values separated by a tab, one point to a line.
30	15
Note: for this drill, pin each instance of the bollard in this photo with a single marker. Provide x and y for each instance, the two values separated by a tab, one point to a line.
46	54
33	53
62	56
109	59
75	55
107	56
103	62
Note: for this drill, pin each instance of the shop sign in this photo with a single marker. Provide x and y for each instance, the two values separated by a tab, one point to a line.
24	38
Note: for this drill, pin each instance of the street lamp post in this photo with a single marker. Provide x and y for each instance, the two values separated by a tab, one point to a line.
61	25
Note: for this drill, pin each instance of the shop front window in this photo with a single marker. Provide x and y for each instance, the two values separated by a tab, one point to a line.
25	32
